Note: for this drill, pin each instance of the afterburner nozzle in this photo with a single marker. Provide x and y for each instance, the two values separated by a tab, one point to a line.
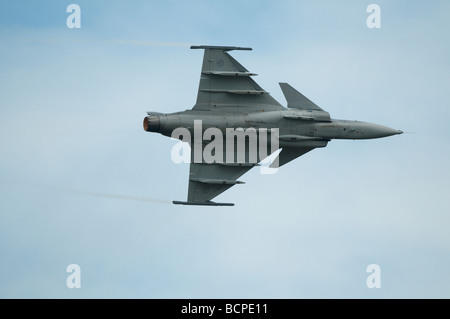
152	123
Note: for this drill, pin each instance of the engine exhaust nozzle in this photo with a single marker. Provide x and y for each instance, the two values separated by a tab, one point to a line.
152	123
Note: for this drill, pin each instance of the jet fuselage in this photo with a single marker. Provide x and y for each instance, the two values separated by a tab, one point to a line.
290	123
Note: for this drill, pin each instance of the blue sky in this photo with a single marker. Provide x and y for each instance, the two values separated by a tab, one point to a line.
72	103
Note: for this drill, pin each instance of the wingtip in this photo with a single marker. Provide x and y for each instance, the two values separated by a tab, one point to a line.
218	47
207	203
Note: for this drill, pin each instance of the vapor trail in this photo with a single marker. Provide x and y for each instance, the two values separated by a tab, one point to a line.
147	43
99	194
118	196
111	41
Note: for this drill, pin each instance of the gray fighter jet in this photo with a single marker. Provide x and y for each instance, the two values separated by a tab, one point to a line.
231	104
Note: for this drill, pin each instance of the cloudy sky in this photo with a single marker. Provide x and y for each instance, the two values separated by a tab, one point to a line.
82	183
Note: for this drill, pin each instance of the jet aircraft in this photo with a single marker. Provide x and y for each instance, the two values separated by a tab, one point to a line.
229	99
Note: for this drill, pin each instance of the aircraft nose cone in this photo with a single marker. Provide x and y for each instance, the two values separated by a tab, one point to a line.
384	131
373	130
394	132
